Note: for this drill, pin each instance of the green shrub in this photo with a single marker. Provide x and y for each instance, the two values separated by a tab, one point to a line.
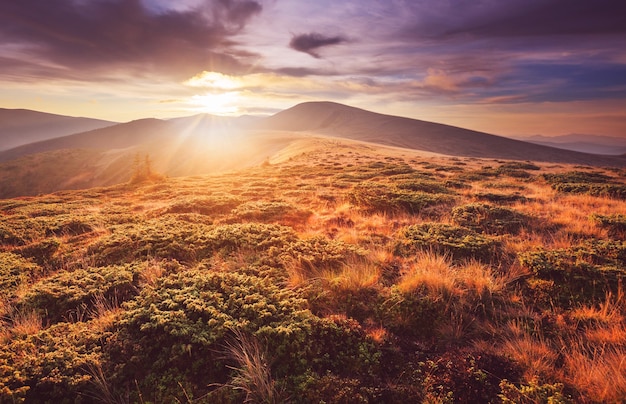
431	187
519	165
500	198
213	205
532	393
459	242
261	211
15	271
490	219
375	197
51	365
318	253
576	275
615	224
577	177
170	238
591	183
66	293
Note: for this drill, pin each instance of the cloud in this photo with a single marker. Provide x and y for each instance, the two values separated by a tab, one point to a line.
516	18
310	43
108	37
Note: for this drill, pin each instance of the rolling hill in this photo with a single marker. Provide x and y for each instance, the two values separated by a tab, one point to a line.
20	126
203	144
348	122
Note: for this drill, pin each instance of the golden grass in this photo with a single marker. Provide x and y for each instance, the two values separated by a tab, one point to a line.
437	274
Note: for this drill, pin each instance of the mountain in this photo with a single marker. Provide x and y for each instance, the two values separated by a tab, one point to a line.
584	143
178	147
353	123
20	126
202	144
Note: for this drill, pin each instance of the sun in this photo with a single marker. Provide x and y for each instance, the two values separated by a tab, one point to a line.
217	103
222	96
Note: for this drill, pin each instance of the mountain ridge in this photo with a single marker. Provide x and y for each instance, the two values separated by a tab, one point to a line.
22	126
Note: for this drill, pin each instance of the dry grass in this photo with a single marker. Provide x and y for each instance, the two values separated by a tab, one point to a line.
436	273
252	374
27	322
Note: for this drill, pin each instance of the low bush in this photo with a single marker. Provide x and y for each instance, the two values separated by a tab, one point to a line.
489	219
51	365
500	198
15	271
213	205
379	198
261	211
170	238
576	275
591	183
615	224
193	313
460	242
69	293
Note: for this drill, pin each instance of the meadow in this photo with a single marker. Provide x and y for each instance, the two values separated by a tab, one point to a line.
341	274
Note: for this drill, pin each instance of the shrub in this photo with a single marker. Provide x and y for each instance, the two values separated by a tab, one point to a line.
14	272
459	242
592	183
68	292
489	219
169	238
519	165
50	366
375	197
532	393
261	211
615	224
213	205
173	334
576	275
500	198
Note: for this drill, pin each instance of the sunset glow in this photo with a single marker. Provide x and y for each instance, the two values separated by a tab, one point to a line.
510	68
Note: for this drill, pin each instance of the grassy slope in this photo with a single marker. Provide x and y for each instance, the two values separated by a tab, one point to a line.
339	272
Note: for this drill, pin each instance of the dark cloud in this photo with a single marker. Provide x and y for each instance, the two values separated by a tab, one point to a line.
310	43
520	18
100	37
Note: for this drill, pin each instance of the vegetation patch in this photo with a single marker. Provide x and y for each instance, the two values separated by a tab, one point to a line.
261	211
380	198
580	274
591	183
459	242
615	224
16	271
489	219
72	293
214	205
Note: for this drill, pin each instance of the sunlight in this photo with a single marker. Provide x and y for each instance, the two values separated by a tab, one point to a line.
217	104
214	80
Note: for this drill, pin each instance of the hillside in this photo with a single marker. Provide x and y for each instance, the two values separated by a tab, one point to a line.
343	121
204	144
339	272
19	126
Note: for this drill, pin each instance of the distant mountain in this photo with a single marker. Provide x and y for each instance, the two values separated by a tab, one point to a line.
194	145
353	123
583	143
20	126
204	144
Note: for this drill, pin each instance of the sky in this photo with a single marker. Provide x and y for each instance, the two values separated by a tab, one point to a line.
514	67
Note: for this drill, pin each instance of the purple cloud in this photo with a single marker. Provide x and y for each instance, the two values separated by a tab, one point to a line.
96	37
310	43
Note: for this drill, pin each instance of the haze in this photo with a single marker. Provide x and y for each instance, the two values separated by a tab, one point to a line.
521	67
